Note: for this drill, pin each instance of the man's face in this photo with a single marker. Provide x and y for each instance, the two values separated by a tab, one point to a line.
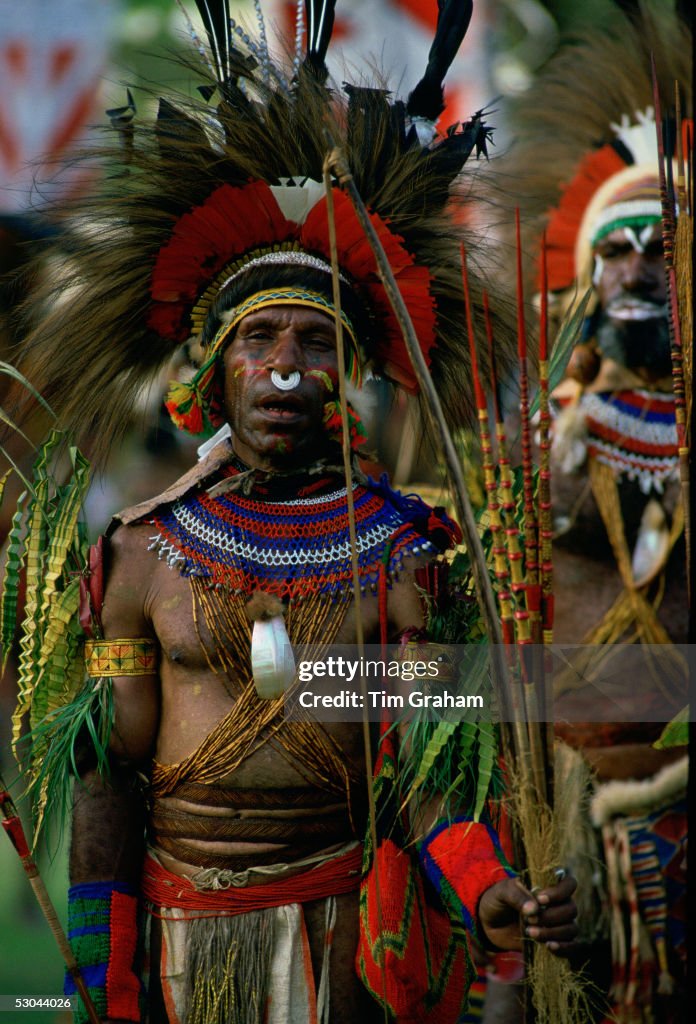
629	278
630	273
274	428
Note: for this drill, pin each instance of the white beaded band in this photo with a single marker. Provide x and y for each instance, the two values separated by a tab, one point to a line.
622	213
284	257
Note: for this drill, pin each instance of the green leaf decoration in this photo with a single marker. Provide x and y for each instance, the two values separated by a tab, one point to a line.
14	427
10	583
7	370
51	688
466	738
487	758
455	759
25	480
91	711
444	731
567	339
676	732
48	545
38	513
58	609
3	480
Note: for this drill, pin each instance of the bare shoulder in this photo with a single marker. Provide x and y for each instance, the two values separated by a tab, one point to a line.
128	543
129	567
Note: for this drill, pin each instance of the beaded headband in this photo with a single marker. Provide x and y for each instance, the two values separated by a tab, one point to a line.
283	297
635	186
194	406
285	258
621	215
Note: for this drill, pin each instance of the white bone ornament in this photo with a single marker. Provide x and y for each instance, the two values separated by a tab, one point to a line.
272	660
285	381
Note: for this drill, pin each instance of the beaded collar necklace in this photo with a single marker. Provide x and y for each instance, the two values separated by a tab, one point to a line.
293	546
635	433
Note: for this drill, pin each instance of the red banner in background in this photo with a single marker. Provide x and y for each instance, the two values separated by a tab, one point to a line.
52	59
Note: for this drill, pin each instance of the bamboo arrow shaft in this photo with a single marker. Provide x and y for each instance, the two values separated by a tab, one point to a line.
49	912
360	638
465	515
15	831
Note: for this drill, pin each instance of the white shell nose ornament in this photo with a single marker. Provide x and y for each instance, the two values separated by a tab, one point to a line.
285	381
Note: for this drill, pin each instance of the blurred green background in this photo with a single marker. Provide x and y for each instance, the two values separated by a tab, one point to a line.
30	963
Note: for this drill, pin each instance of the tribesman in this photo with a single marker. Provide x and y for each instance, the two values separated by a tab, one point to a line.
216	871
586	165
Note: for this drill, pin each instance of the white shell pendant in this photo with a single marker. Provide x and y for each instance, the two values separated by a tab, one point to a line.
272	660
652	545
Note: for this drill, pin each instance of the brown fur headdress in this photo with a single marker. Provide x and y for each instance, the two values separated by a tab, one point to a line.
219	180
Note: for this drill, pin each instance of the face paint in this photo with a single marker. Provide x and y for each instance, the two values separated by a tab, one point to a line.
271	425
323	377
629	273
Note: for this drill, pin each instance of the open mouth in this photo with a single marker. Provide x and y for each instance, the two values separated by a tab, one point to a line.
636	309
281	407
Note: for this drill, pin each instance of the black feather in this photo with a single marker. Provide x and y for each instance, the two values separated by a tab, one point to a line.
375	132
174	127
215	15
239	65
320	21
121	119
445	160
427	99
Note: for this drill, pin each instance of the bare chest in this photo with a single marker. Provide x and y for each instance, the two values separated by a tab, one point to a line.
205	672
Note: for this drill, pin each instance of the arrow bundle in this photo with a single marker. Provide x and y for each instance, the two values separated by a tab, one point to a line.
519	519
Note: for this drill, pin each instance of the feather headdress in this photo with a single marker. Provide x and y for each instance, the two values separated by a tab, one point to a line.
587	125
221	180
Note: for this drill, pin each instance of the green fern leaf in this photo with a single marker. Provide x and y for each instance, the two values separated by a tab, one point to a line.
566	340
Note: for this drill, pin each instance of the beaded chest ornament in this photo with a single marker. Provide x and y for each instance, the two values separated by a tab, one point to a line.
295	550
634	432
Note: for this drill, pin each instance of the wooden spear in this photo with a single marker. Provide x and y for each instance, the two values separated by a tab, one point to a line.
529	618
357	595
668	235
12	824
545	520
435	414
502	538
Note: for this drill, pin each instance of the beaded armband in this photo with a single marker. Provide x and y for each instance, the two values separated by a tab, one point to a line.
462	858
102	931
120	657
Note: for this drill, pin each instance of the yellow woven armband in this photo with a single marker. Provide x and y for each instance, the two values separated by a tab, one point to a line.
120	657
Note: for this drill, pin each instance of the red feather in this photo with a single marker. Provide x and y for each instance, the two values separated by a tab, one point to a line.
565	220
234	221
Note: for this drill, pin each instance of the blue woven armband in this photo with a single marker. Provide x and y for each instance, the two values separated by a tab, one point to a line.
103	935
